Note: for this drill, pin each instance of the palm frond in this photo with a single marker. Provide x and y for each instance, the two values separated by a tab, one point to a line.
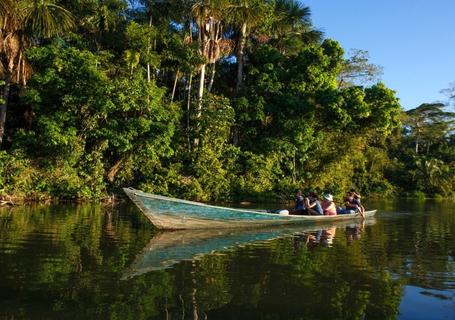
45	18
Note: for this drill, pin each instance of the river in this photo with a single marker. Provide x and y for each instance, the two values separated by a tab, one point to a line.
102	262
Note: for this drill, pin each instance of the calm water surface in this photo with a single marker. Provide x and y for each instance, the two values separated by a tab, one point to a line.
97	262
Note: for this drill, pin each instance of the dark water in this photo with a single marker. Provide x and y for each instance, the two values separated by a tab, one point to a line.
95	262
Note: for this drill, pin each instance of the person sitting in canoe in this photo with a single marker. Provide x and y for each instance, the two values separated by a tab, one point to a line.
312	205
328	206
357	201
299	207
352	202
349	208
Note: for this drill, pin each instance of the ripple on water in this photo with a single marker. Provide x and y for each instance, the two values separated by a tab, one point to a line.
423	303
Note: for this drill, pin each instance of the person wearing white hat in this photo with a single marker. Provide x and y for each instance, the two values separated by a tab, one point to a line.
328	197
328	206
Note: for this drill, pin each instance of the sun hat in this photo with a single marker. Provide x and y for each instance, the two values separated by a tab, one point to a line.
328	196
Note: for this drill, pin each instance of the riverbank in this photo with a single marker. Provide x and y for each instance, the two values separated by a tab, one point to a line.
115	198
7	200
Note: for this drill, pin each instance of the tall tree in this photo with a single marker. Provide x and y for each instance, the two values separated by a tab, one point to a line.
357	70
291	27
208	15
429	122
22	24
244	15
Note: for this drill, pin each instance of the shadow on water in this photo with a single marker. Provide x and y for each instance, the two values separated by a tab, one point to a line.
91	261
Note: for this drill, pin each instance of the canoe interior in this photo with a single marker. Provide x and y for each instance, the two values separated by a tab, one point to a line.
175	214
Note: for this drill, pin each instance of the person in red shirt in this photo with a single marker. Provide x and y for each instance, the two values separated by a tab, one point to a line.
328	206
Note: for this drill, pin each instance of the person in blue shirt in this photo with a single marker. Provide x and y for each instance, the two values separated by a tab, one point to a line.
313	205
299	207
299	201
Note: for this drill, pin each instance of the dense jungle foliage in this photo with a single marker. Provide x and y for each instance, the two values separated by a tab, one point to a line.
205	100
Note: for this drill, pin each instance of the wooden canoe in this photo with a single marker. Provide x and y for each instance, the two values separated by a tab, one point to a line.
176	214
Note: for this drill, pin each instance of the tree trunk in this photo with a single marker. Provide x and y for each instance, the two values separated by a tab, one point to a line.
200	96
175	85
212	77
201	91
188	105
235	135
113	170
294	175
4	107
148	51
240	57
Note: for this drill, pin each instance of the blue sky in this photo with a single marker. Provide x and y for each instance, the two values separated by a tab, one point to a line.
413	40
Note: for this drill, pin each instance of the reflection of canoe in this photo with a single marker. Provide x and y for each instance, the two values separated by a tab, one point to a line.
167	248
171	213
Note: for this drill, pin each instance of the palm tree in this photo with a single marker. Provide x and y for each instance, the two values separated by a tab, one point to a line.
46	19
292	20
208	15
435	175
132	59
22	23
5	8
244	14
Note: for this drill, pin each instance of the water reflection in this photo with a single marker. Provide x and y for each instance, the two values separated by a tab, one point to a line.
292	277
323	237
354	232
67	262
168	248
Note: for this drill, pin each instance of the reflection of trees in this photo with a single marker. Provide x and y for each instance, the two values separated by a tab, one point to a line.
419	248
274	281
66	261
59	258
212	281
324	284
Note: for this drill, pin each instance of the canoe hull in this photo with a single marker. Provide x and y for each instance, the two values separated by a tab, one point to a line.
175	214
